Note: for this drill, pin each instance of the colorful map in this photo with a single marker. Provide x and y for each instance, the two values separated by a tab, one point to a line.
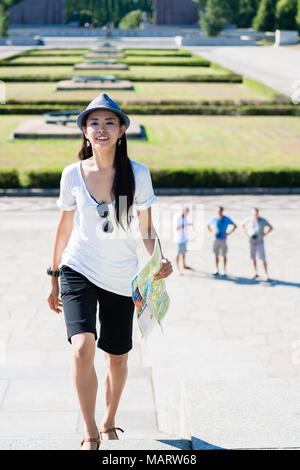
150	296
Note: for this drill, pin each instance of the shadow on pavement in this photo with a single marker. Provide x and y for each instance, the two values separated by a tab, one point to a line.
241	280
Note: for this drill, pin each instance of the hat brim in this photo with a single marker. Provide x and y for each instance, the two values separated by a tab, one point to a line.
84	113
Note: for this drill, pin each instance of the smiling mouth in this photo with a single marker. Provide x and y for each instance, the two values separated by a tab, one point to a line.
102	139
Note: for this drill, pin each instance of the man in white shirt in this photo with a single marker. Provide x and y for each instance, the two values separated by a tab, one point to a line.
253	227
182	238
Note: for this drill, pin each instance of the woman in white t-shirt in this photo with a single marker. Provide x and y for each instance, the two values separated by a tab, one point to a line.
105	201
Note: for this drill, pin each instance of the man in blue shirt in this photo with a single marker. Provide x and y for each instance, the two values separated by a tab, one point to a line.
218	226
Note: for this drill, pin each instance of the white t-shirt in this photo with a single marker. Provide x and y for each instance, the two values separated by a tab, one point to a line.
181	235
255	226
109	260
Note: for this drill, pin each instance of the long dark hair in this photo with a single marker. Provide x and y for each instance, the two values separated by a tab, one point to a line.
124	182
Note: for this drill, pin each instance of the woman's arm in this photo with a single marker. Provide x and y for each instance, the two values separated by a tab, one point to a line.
63	233
149	234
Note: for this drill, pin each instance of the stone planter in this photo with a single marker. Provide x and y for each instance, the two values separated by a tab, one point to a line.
286	37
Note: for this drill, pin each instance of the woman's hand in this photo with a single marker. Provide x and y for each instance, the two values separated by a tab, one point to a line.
53	299
165	270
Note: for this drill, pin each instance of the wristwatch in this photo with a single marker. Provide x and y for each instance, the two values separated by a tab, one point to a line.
52	273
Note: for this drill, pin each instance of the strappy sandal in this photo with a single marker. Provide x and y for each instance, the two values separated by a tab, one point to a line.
101	430
91	439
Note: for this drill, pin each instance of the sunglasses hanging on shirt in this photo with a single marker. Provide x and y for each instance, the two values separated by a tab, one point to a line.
103	211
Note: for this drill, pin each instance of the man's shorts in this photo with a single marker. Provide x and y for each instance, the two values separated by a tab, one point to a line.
79	298
257	247
181	248
220	245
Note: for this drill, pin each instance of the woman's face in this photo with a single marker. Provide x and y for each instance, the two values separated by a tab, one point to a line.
103	128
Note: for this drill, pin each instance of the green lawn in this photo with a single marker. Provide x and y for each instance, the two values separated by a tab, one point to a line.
137	60
143	91
135	52
136	70
55	52
174	141
47	60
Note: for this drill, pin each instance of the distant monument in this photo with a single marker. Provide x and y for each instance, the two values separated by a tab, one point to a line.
145	23
171	12
39	12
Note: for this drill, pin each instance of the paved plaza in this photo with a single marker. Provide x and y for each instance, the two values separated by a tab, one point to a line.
276	67
229	344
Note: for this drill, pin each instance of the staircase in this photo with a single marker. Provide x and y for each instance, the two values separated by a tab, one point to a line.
40	410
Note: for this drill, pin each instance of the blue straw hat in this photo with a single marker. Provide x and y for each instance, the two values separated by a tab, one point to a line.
103	101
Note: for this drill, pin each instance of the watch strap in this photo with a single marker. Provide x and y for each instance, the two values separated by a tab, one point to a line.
52	273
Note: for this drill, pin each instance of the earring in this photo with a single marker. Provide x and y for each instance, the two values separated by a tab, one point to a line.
119	141
88	143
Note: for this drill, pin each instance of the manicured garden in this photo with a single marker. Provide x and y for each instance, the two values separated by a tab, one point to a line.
195	119
143	92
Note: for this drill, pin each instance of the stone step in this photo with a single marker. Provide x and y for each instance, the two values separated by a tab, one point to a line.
243	413
159	442
204	359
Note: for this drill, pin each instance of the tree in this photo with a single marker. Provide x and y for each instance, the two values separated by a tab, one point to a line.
106	11
298	15
85	16
3	22
265	17
4	16
212	21
229	8
132	20
202	2
246	12
286	12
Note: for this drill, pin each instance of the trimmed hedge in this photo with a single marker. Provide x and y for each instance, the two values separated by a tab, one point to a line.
53	52
163	109
222	78
129	52
43	178
145	62
185	62
39	64
212	178
175	178
157	53
9	179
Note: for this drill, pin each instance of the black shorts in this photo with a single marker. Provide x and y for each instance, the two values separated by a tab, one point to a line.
79	298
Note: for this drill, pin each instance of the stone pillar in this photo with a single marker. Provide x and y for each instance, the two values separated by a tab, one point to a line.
286	37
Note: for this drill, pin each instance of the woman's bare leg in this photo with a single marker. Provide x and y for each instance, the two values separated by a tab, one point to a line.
85	381
114	383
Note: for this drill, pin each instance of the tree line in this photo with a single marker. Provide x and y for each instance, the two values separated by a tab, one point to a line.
102	12
261	15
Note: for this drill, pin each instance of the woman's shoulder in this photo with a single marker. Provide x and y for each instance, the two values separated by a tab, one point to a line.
70	168
138	167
